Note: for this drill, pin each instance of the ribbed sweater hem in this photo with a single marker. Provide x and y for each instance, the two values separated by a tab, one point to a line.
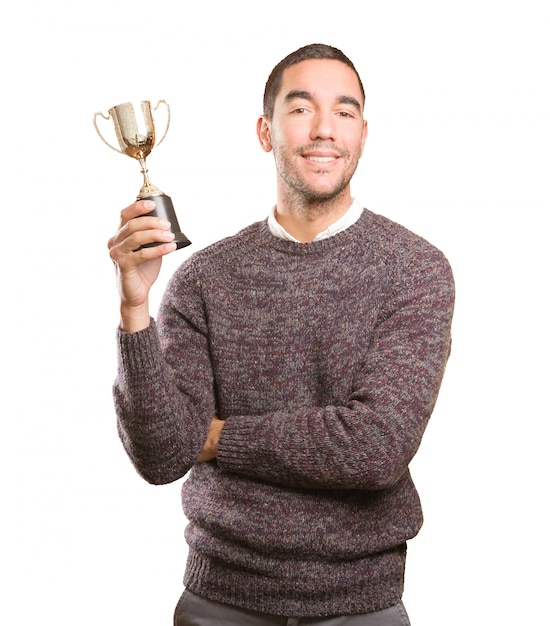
302	588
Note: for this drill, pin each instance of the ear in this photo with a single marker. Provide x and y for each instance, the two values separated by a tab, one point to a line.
263	129
365	134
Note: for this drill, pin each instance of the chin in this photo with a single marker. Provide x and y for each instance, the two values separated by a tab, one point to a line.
324	194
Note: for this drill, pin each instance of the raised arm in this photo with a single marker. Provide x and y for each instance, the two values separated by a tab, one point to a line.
162	417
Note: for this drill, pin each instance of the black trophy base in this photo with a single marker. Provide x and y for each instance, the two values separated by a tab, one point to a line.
165	209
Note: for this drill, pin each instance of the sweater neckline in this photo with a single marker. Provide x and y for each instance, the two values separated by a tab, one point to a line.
314	247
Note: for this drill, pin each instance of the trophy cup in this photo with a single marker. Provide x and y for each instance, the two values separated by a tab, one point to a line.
135	131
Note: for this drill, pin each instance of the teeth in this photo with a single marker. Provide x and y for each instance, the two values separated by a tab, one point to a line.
320	159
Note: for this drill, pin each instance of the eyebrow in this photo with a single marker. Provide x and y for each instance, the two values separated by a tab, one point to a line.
306	95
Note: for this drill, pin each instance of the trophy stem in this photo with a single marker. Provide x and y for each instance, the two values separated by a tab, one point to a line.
148	187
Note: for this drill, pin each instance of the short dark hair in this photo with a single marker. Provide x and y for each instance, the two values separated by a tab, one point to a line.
311	51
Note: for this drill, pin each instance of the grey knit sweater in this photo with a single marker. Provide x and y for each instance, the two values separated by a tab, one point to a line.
325	359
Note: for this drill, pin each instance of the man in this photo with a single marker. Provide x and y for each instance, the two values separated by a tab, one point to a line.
292	372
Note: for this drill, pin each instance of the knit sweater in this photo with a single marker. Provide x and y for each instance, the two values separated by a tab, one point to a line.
325	361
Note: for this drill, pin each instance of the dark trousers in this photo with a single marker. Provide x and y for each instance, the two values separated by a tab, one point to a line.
193	610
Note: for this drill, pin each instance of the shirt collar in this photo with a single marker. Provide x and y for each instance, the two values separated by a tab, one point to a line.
349	218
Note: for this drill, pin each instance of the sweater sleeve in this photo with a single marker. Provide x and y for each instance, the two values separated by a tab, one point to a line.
163	414
368	442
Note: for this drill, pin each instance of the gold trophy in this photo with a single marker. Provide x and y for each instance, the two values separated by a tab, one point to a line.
135	131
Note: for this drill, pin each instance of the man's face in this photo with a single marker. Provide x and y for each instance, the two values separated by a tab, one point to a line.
317	132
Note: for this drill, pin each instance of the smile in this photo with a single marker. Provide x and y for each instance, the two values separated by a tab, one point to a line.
321	159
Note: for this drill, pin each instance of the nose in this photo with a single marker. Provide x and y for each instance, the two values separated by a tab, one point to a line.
323	126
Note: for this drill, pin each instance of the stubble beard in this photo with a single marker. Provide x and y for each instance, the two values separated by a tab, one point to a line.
300	196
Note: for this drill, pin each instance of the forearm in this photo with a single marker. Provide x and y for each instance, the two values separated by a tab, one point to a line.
328	448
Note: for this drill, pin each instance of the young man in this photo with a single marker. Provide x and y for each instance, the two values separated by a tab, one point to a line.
292	372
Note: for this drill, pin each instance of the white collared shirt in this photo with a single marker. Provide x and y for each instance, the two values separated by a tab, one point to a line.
349	218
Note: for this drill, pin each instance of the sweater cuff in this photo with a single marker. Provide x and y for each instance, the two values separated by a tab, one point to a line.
237	447
139	353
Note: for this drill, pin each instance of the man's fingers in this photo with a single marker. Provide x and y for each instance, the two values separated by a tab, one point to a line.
139	231
136	209
129	251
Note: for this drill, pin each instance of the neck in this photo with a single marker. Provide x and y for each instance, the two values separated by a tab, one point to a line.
305	219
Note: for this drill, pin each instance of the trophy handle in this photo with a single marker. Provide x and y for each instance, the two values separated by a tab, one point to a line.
106	117
167	121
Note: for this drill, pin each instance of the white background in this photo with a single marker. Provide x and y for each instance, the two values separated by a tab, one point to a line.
458	107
